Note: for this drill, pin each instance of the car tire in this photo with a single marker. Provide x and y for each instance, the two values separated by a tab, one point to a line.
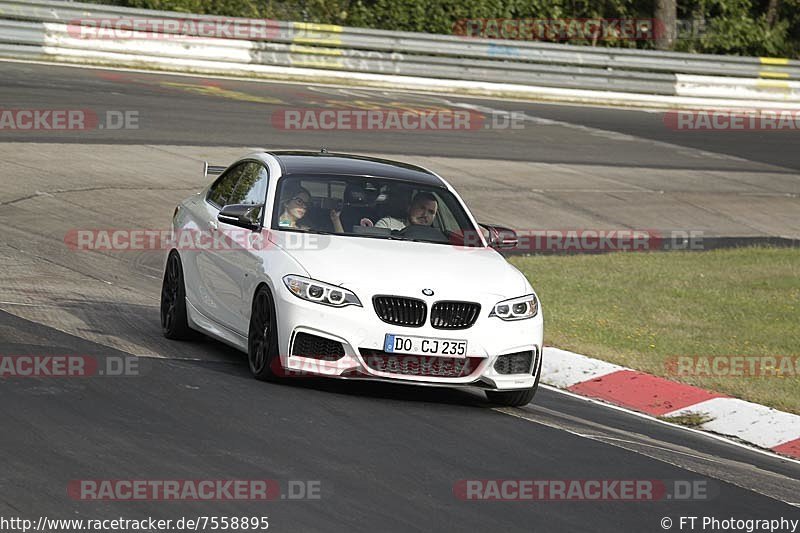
262	338
174	322
516	398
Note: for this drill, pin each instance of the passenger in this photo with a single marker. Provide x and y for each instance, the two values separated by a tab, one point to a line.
357	205
294	206
336	220
421	212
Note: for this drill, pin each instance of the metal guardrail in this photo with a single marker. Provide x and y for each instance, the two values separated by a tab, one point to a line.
47	23
21	33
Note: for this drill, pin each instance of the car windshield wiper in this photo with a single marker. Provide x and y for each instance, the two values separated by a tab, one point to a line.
409	239
387	237
318	232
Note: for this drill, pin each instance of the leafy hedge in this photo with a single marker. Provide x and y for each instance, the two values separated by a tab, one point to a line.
741	27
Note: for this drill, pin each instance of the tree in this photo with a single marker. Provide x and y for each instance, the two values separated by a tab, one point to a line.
666	19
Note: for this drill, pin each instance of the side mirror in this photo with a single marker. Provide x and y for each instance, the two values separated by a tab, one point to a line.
500	237
246	216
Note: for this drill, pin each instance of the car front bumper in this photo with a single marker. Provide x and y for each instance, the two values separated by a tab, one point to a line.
361	333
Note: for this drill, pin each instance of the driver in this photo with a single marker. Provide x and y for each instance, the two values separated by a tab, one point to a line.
421	212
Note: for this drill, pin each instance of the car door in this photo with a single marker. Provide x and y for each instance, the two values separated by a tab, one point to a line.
207	279
235	256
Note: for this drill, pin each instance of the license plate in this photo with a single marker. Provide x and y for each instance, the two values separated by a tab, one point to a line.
425	345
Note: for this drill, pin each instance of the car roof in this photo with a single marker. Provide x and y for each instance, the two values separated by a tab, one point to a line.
333	164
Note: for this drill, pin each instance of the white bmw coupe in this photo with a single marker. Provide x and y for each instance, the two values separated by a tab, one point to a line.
343	266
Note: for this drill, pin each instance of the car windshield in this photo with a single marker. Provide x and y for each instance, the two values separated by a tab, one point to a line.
370	207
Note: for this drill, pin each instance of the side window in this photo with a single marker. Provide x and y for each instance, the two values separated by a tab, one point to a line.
251	187
221	191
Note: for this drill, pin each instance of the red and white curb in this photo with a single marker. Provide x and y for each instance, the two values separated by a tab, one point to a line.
749	422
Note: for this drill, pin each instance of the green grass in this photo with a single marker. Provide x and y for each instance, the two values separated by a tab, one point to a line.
641	309
691	420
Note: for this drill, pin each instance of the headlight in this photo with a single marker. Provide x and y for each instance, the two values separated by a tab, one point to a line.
319	292
517	308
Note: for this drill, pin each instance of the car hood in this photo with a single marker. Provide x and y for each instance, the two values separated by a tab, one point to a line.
382	266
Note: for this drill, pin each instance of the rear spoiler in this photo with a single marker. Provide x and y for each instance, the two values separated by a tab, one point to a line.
212	169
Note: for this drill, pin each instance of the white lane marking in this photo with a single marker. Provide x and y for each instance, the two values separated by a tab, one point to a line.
618	442
752	422
29	305
665	448
607	134
756	424
189	359
62	306
715	436
516	413
562	368
425	98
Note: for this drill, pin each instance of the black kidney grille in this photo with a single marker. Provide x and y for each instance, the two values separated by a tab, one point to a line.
400	311
307	345
514	363
454	315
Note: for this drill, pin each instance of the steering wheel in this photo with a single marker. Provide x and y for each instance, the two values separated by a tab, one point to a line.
426	233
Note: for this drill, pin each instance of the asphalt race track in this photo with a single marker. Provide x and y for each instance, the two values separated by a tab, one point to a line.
385	457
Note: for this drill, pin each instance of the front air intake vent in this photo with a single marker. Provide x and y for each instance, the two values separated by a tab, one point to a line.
420	365
514	363
315	347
